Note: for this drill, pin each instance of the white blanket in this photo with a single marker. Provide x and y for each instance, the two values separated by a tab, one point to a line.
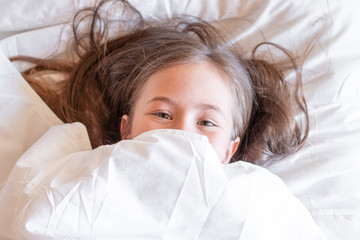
165	184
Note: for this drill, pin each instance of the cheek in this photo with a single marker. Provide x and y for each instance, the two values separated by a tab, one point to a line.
141	125
138	127
219	142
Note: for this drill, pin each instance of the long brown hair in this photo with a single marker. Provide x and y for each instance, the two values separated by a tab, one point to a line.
103	82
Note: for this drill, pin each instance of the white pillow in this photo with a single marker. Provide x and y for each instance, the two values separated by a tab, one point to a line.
24	117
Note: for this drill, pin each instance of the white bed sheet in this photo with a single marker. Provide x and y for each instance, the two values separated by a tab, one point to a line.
324	175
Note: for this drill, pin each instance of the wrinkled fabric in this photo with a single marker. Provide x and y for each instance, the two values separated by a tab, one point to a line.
164	184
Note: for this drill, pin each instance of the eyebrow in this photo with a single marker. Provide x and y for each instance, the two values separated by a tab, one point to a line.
162	99
202	106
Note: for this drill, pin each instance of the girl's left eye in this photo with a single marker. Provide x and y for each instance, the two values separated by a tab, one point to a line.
206	123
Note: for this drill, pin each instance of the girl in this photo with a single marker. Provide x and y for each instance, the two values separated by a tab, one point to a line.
177	74
163	184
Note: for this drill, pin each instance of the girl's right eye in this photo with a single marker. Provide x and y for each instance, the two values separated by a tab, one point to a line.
163	115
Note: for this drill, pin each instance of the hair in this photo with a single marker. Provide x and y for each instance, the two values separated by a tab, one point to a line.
105	79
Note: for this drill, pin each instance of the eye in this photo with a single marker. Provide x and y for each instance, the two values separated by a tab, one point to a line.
206	123
163	115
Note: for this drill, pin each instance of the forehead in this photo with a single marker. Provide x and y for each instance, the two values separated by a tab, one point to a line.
189	83
199	78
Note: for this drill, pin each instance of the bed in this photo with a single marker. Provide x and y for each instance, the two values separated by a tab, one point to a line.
44	162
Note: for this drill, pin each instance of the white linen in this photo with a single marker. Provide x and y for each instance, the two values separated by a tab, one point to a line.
164	184
24	117
324	175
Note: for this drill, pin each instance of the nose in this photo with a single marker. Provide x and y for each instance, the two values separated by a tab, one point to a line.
183	124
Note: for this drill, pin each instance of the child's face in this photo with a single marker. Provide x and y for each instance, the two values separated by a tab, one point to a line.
190	97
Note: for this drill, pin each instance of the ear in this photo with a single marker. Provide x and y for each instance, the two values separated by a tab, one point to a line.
124	127
233	145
